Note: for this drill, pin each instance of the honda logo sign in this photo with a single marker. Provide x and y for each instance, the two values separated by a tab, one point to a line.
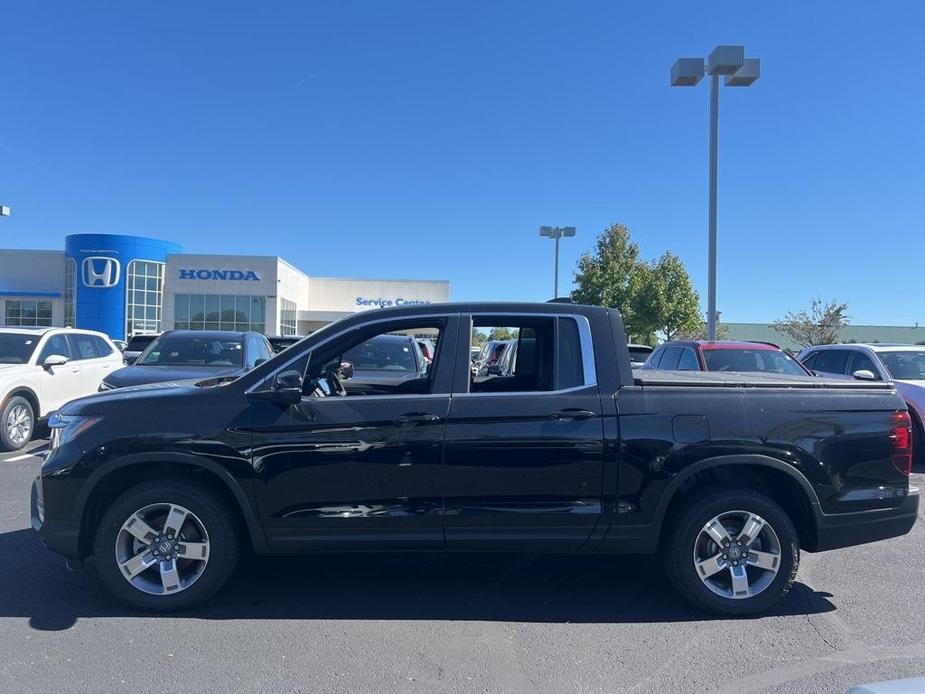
100	272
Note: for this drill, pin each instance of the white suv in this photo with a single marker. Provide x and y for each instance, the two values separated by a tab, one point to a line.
43	368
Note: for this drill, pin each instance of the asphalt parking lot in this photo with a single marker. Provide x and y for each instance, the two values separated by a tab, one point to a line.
442	623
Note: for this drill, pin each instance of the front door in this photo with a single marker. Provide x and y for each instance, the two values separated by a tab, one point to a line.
58	384
357	463
524	446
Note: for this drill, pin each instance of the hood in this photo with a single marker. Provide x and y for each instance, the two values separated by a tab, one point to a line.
93	404
142	375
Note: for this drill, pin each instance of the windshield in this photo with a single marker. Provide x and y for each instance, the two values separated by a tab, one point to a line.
139	342
193	350
16	348
905	366
382	355
752	360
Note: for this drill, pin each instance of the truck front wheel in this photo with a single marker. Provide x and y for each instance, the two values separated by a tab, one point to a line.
732	552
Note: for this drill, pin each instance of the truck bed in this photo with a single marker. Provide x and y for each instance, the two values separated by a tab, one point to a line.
734	379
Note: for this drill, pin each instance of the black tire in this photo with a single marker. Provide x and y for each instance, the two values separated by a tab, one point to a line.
209	507
681	537
6	440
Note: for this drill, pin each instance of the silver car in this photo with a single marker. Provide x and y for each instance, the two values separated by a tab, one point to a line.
902	364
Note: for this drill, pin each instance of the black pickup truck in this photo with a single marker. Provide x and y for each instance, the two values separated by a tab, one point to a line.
726	477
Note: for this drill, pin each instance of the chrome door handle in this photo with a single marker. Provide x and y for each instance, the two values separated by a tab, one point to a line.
571	414
413	418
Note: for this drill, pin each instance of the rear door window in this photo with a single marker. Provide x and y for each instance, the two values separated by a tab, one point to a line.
82	346
688	360
570	368
102	347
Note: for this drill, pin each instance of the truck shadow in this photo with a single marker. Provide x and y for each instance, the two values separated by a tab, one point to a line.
527	588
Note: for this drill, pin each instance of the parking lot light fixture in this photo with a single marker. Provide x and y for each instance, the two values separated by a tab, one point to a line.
556	233
4	211
739	72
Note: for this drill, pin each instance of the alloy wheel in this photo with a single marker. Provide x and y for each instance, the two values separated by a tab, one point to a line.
162	549
19	424
737	554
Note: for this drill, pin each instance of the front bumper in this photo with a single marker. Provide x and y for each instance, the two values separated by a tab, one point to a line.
847	529
61	536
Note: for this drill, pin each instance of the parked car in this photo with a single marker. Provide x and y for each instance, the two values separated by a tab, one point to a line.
491	355
385	364
281	342
724	355
120	344
904	365
726	478
178	355
136	345
43	368
639	354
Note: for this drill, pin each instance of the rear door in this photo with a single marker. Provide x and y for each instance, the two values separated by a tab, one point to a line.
524	452
86	355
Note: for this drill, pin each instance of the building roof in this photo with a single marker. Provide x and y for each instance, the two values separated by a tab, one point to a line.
871	334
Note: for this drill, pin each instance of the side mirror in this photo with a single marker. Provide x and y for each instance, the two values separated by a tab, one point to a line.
865	375
259	362
346	370
287	387
55	360
129	360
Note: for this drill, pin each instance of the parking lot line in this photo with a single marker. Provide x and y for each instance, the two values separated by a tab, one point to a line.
18	457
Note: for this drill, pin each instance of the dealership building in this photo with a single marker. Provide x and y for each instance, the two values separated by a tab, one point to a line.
126	285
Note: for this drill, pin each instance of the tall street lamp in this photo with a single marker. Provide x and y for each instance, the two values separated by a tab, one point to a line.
556	233
740	72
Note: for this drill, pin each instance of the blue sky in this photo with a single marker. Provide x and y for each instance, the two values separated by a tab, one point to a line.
431	139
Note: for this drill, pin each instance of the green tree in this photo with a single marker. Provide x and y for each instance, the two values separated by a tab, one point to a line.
819	325
502	334
663	299
604	277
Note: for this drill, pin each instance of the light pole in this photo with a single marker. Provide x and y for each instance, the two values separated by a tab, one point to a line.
556	233
740	72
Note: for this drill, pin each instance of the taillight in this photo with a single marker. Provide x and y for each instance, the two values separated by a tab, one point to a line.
901	440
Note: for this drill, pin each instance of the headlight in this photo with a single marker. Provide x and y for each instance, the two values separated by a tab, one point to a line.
67	427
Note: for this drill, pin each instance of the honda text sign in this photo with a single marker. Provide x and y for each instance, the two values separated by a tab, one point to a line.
100	272
203	274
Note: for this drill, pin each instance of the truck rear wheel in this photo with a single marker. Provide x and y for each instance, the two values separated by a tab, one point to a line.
732	552
166	545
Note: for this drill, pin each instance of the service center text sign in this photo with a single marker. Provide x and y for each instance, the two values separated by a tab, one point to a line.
383	303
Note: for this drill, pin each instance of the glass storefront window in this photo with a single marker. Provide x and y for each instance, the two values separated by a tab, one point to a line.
144	297
28	313
70	293
287	317
219	312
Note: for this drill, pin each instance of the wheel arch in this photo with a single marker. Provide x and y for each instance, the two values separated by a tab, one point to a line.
781	482
105	484
27	393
